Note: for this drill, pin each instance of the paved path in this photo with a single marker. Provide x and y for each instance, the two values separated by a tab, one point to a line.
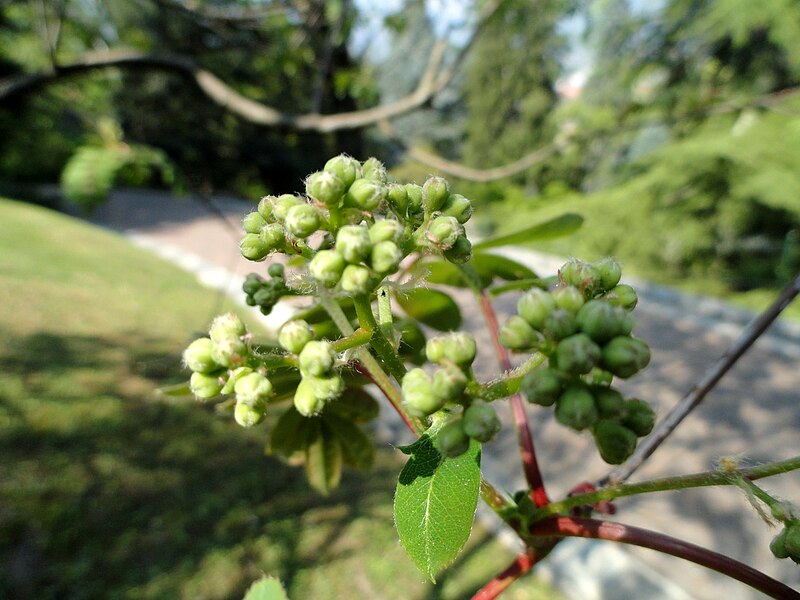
753	415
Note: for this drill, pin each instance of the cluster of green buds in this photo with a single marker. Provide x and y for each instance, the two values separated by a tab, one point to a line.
584	328
787	543
320	382
265	293
425	394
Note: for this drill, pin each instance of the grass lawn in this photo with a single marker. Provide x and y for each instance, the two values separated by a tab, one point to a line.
107	491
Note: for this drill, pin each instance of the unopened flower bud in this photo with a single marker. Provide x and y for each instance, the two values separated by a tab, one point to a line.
386	230
458	206
458	346
345	168
317	358
609	273
449	383
365	194
638	416
576	409
778	545
542	386
373	169
306	400
435	191
615	442
282	204
460	252
385	257
327	267
443	232
253	248
560	323
294	335
452	440
414	195
302	220
249	415
272	236
230	352
481	422
610	403
265	207
623	296
601	321
577	354
569	298
325	187
326	388
535	305
253	222
252	388
353	243
581	275
418	397
356	279
205	385
516	334
198	356
235	375
226	326
625	356
397	196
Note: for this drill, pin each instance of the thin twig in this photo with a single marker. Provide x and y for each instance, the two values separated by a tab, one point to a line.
617	532
519	567
692	399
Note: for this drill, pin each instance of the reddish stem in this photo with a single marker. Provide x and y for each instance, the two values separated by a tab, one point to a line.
361	369
617	532
521	565
526	448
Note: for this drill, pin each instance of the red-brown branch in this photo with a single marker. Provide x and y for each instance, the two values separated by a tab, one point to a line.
521	565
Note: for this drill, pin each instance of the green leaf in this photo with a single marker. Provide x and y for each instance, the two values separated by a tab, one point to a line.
266	588
292	433
557	227
412	341
355	405
324	460
177	390
435	501
430	307
357	449
489	266
442	272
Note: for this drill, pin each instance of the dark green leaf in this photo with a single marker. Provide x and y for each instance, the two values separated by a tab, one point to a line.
356	405
357	449
490	266
442	272
435	502
292	433
266	588
412	341
430	307
176	391
324	460
557	227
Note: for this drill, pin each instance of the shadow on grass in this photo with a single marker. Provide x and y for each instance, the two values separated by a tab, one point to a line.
107	493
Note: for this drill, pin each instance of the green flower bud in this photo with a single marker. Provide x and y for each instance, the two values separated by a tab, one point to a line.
625	356
458	346
414	195
386	230
265	207
560	324
253	222
452	440
435	192
576	409
352	242
638	416
458	206
233	376
294	335
325	187
577	354
302	220
306	400
481	422
601	378
602	321
249	415
609	273
205	385
569	298
266	296
385	257
792	540
225	326
252	388
418	397
252	283
365	194
542	386
615	442
443	232
356	279
535	305
230	352
460	252
326	388
778	545
345	168
581	275
253	248
272	236
374	169
448	383
397	196
516	334
317	358
198	356
610	403
276	270
623	296
327	267
282	204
